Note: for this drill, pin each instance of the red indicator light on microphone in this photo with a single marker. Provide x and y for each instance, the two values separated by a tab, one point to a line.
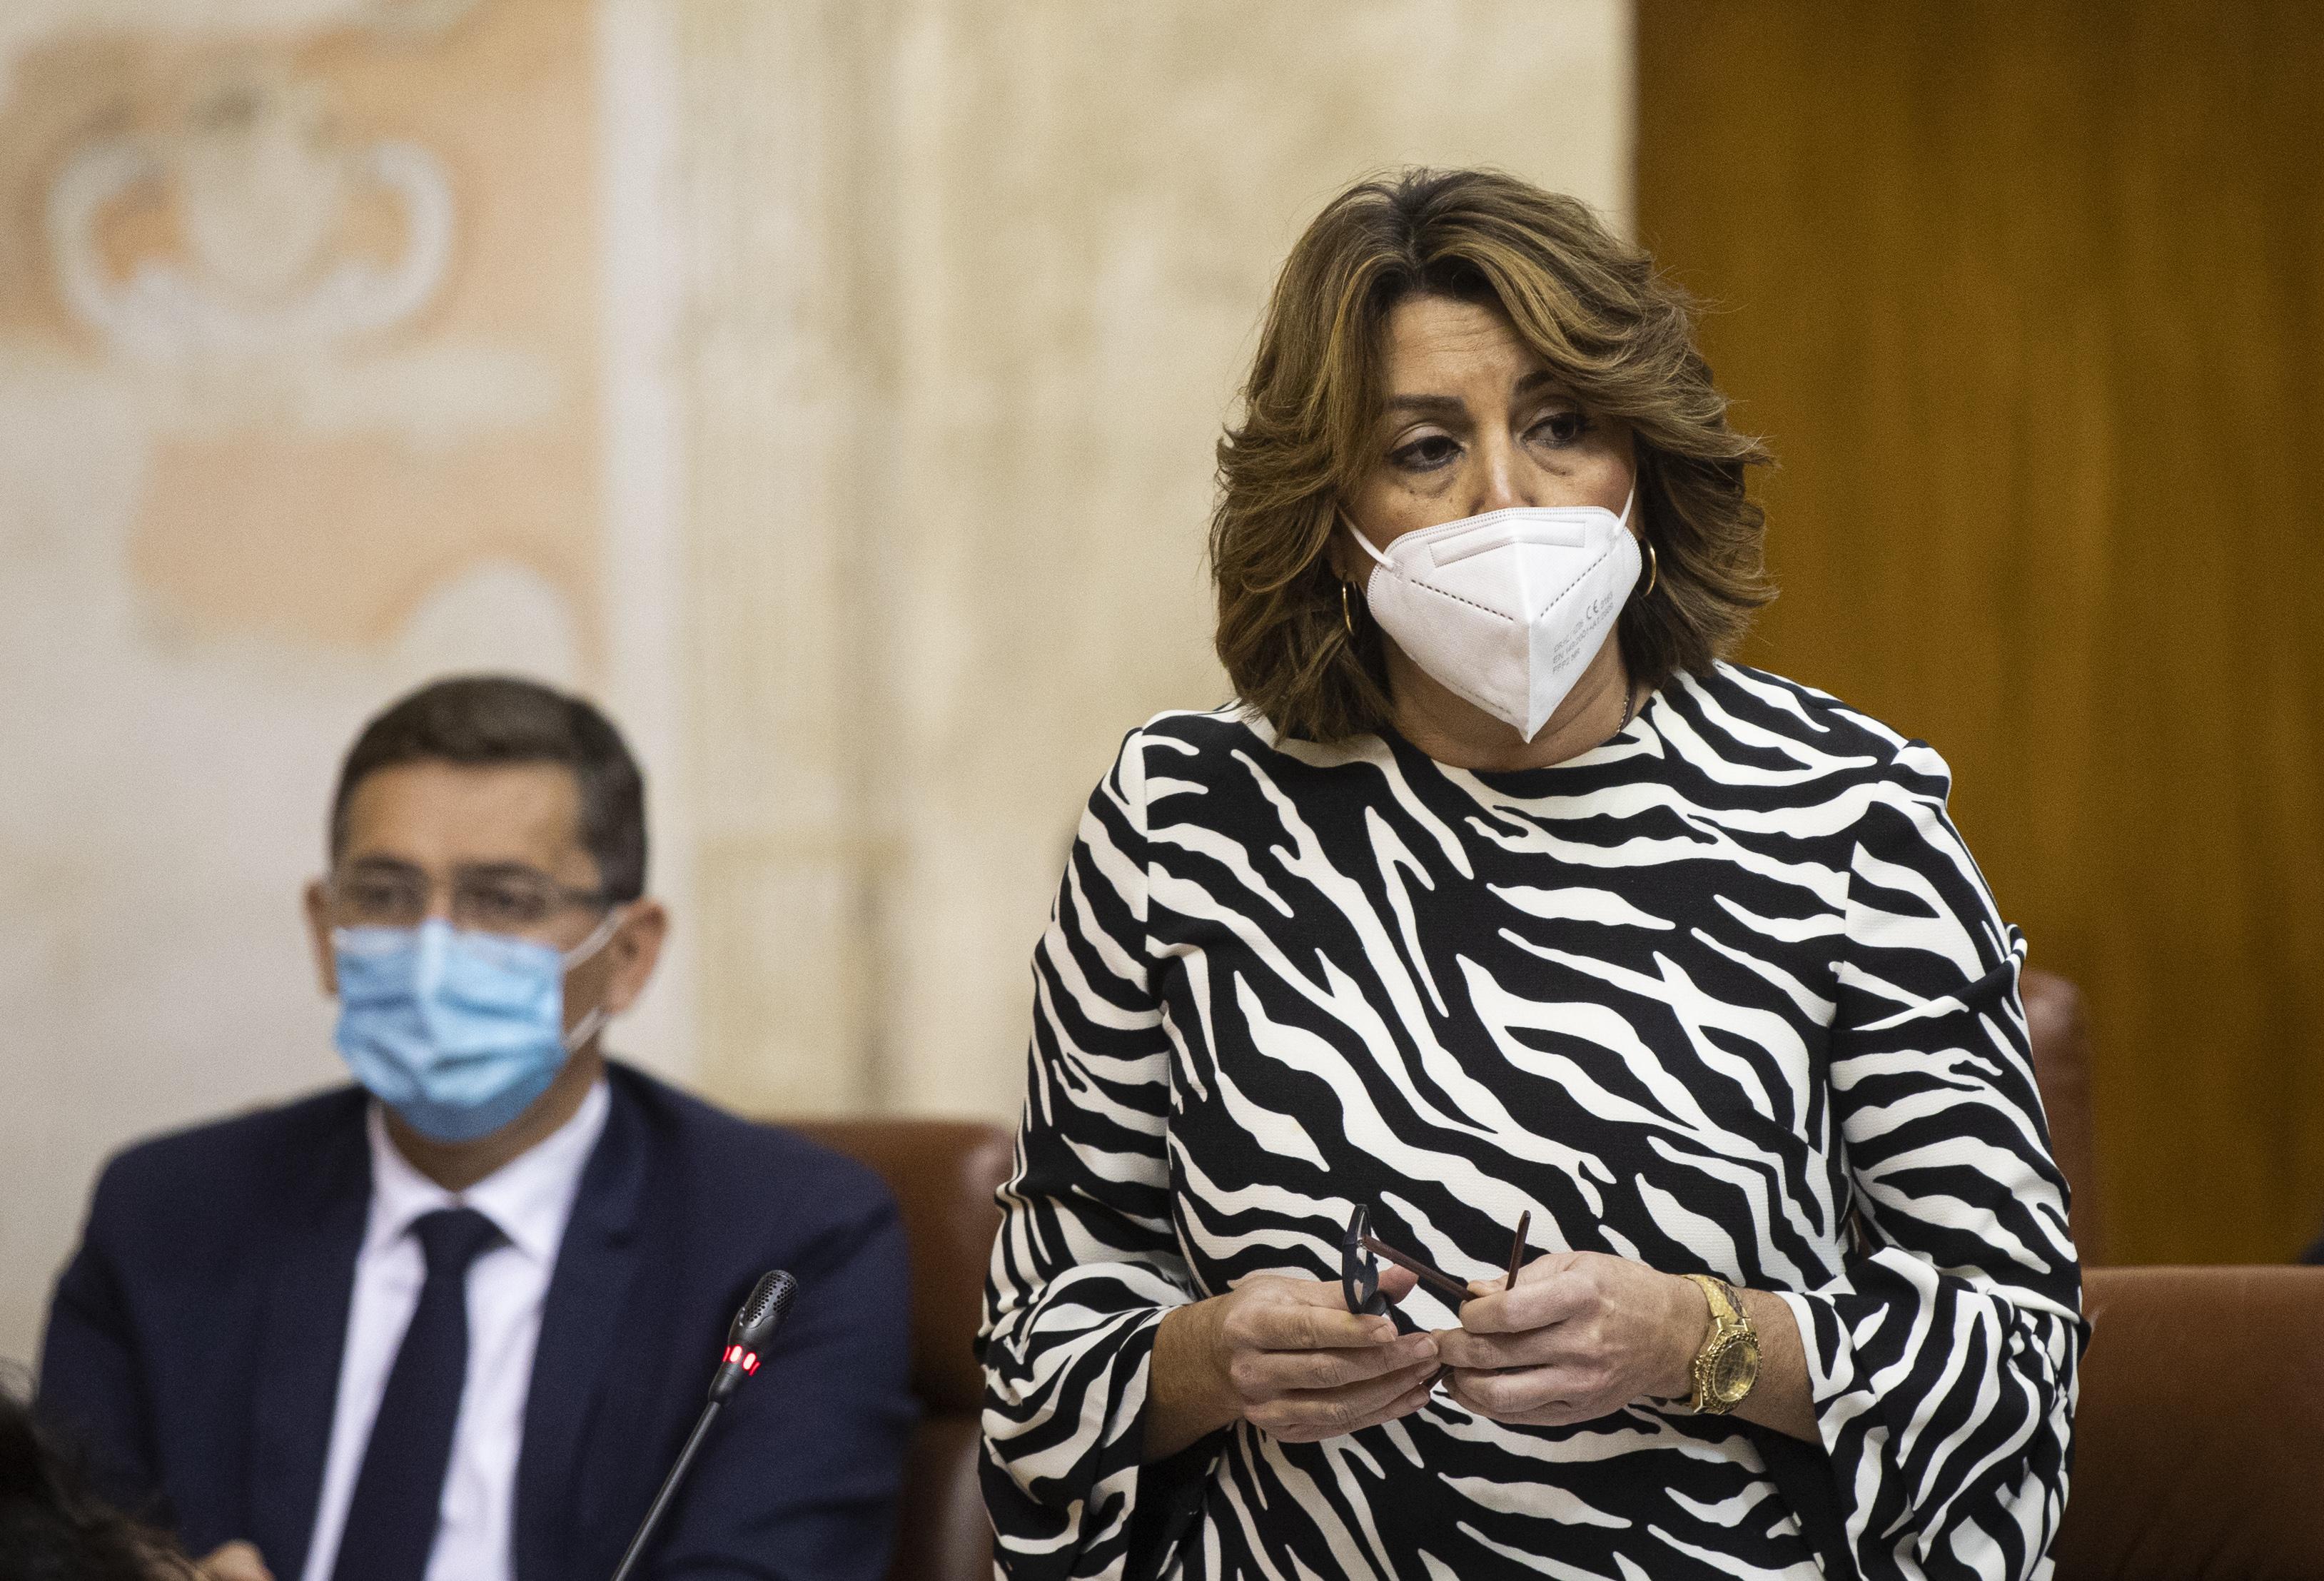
750	1360
733	1354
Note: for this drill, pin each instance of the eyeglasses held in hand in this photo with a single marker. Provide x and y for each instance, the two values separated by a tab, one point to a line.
1361	1252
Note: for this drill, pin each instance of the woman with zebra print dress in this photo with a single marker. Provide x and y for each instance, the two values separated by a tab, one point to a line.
1464	917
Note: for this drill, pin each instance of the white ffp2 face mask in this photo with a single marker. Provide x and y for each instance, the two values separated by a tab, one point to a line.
1506	609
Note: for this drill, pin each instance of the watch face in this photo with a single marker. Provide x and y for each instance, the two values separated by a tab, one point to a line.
1734	1369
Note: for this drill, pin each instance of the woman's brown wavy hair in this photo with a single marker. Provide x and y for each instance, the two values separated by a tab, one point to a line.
1591	305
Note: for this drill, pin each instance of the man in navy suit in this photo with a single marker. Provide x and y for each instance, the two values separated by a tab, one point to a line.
453	1323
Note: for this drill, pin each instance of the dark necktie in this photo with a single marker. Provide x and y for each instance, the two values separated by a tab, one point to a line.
392	1517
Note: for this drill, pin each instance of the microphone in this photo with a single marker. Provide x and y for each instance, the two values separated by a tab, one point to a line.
746	1342
753	1325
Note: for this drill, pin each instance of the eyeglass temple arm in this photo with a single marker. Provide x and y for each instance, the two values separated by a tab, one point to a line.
1444	1283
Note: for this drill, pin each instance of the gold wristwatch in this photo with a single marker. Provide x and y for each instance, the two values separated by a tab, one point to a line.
1727	1364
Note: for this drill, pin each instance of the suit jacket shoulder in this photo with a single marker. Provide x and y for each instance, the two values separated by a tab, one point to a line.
734	1165
180	1194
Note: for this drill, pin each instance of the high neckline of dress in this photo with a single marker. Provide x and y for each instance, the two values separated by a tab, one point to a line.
1527	783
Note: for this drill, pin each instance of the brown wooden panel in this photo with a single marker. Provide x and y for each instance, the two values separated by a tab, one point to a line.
2027	300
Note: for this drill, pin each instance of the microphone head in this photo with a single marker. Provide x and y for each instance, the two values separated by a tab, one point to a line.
770	1297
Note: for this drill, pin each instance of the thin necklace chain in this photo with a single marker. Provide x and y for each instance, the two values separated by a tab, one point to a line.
1629	705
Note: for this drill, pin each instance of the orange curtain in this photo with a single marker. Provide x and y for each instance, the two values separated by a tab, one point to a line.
2028	299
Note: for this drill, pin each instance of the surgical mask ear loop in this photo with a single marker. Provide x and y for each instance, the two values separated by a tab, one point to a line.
598	937
586	1028
589	1025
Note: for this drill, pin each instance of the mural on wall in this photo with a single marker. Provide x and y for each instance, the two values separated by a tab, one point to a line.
262	185
300	369
347	292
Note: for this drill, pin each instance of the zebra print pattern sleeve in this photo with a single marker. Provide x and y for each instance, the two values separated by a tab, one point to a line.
1944	1365
1085	1265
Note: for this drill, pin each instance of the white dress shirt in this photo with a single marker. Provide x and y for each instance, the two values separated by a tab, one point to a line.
529	1198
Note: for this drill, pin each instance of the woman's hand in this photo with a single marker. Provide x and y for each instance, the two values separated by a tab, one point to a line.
1287	1356
1581	1336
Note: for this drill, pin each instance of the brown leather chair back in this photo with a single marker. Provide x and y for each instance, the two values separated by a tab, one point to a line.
2199	1446
2060	1037
944	1174
2198	1442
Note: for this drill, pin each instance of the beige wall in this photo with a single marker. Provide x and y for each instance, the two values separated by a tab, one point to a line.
975	281
830	388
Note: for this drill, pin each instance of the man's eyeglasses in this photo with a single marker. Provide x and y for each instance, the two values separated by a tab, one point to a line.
1361	1252
510	899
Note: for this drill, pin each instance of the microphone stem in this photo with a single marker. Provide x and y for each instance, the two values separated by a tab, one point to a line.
669	1490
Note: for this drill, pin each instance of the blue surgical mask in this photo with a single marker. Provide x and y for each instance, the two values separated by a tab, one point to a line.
456	1032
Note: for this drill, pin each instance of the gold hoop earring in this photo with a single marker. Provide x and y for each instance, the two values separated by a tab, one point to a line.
1346	619
1653	568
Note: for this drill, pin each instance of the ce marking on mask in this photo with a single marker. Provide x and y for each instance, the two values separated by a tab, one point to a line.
1594	615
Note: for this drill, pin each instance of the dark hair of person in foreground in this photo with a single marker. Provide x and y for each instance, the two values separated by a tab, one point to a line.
53	1528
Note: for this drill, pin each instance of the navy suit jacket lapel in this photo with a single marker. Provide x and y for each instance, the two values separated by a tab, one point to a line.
579	1320
302	1333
